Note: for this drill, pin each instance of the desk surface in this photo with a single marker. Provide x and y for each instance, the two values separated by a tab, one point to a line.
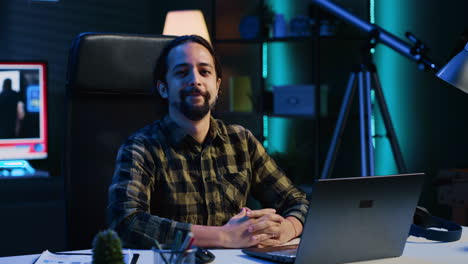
417	251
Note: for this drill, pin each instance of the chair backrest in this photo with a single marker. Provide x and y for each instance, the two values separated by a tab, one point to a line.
109	96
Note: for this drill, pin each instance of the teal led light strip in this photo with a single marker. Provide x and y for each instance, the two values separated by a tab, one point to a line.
265	132
372	20
372	16
265	60
392	16
265	75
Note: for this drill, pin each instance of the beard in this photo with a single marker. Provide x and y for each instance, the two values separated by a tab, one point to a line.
194	112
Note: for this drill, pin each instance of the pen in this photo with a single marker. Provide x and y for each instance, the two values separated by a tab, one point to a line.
190	244
176	244
160	251
186	242
184	247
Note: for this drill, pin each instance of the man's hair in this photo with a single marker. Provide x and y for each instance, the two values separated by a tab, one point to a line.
161	67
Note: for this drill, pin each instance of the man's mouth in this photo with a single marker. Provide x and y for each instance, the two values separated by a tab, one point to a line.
194	97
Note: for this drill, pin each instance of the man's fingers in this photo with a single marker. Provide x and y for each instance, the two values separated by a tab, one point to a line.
269	243
265	227
260	213
262	237
271	217
240	217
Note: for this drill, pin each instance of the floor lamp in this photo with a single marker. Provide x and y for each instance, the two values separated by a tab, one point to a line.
365	78
186	22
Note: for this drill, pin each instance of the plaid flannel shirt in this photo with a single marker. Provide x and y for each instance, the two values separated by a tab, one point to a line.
165	181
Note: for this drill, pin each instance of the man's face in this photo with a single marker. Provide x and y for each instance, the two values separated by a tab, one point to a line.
192	85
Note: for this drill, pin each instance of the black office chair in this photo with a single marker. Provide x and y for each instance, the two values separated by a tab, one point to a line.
109	96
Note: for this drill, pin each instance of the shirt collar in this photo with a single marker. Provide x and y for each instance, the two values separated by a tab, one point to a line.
176	134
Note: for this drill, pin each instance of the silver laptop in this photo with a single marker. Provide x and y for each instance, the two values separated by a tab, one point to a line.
353	219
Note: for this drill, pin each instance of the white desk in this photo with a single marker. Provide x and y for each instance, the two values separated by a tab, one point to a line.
417	251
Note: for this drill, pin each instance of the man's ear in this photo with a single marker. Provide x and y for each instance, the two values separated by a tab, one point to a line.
218	83
162	89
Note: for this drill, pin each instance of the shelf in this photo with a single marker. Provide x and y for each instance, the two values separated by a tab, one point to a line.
258	40
286	39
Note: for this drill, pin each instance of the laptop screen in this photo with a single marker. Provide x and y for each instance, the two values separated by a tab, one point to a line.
355	219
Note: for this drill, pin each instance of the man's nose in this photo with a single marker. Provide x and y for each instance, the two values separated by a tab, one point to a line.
194	78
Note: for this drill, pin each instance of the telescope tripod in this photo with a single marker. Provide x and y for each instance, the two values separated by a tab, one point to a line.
364	79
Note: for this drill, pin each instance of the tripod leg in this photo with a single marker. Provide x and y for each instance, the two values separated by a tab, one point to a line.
388	125
338	132
369	143
362	124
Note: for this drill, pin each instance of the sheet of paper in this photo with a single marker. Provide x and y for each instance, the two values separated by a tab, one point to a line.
48	257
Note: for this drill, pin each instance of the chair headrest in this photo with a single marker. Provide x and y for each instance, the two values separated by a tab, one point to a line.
113	63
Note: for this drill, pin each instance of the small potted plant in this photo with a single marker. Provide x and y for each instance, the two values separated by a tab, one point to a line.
107	248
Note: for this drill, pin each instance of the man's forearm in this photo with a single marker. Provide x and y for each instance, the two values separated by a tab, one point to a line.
296	225
209	236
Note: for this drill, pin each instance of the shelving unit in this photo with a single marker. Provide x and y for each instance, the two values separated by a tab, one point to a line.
299	60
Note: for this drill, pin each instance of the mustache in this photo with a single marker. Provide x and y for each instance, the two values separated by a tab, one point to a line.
193	91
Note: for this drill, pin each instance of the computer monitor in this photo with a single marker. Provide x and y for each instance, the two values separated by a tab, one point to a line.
23	111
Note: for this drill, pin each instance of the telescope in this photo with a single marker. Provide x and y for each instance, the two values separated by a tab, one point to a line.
366	79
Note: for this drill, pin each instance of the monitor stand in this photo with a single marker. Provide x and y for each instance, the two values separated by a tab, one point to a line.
16	168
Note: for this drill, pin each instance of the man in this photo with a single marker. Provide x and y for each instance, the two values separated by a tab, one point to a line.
192	173
11	111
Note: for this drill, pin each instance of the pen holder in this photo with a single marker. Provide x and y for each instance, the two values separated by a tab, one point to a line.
168	256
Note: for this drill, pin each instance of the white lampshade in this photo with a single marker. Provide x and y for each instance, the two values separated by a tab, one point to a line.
186	22
456	71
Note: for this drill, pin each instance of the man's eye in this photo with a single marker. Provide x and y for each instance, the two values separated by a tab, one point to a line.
180	72
205	72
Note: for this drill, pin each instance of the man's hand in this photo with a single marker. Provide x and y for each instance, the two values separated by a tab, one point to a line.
236	233
266	225
272	229
247	228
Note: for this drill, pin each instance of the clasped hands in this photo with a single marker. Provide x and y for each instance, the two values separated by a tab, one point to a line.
258	228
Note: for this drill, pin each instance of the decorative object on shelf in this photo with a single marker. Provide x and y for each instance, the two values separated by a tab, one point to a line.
240	94
258	23
107	248
280	27
300	26
186	22
294	100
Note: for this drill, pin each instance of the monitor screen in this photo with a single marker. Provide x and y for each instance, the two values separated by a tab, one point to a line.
23	110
